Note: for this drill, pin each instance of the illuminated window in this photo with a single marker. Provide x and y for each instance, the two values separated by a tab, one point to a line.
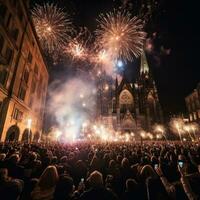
36	69
30	57
199	114
22	93
26	75
125	97
191	118
195	116
17	114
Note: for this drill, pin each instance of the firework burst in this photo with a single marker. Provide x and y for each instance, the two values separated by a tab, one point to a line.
79	46
120	35
52	25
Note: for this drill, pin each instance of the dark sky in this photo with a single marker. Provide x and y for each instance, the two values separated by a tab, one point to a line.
176	24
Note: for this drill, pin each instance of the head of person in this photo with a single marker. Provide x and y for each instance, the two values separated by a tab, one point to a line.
49	178
125	163
112	164
2	156
95	179
3	174
147	172
14	158
109	181
64	188
131	185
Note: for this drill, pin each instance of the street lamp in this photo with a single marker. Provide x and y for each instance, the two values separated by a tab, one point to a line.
29	123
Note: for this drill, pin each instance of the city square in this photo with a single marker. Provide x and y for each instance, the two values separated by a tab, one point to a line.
99	100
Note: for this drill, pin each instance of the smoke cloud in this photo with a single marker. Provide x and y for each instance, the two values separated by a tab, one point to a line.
72	103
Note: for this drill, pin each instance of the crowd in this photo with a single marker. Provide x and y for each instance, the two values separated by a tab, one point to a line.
85	171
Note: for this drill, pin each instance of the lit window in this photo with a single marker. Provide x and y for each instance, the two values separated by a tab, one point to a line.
22	93
36	69
199	114
191	118
17	114
195	116
30	57
26	75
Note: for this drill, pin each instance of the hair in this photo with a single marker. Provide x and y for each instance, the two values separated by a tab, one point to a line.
112	164
96	179
125	163
14	158
131	184
2	156
64	188
48	178
147	171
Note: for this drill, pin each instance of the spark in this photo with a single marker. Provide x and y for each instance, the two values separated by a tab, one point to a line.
53	26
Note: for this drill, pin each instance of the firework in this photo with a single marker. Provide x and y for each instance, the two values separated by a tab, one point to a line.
78	47
177	125
158	128
120	35
52	25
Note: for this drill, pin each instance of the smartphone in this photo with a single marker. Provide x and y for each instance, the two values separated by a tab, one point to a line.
180	163
82	180
155	166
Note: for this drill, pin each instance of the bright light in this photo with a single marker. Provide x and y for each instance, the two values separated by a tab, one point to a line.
81	96
132	134
84	124
120	63
143	134
58	134
49	29
158	136
29	122
106	87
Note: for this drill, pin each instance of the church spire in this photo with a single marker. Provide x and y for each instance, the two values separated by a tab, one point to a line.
144	67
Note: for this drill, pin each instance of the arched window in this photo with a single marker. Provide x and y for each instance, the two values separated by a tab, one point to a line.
125	98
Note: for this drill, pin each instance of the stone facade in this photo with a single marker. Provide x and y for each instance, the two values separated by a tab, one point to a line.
134	106
23	74
193	105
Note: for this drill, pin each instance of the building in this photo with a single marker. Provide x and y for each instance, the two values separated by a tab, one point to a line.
193	105
132	106
23	74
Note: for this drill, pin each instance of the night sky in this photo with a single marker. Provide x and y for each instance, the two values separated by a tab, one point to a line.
176	28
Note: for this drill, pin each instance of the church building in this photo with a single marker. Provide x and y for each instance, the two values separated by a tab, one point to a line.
132	106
